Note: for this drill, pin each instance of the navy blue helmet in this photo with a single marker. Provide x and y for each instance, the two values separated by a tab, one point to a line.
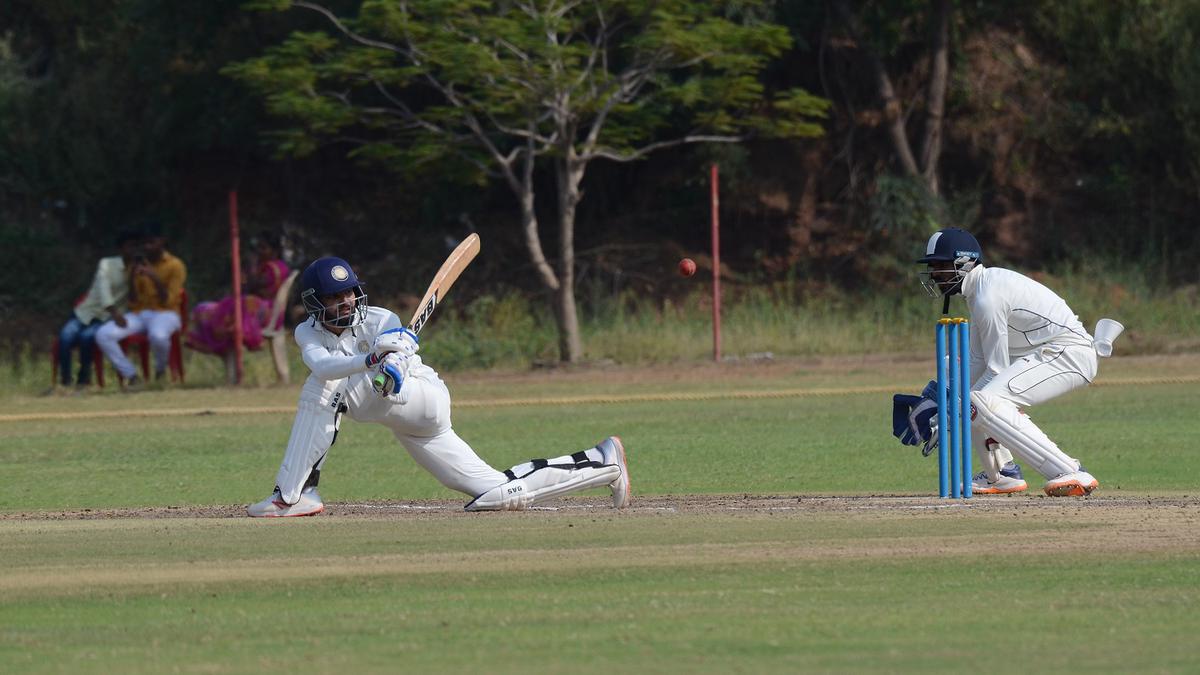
330	276
954	245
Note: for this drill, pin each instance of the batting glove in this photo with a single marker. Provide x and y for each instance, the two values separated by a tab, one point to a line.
390	375
400	341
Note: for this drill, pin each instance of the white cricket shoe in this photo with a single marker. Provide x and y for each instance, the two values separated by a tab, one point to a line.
1072	484
1011	480
309	504
613	453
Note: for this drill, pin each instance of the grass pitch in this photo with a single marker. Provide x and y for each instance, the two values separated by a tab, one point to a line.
767	535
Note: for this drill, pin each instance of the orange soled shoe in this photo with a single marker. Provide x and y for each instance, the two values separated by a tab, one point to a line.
1072	484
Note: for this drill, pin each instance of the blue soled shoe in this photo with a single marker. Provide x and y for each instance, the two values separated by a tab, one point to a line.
1011	480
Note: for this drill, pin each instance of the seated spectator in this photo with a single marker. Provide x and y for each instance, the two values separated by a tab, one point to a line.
106	299
212	327
155	300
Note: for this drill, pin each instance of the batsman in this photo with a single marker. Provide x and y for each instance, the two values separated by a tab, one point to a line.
1027	347
364	363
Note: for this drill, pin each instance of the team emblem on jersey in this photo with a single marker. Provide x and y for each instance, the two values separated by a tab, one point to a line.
339	273
363	347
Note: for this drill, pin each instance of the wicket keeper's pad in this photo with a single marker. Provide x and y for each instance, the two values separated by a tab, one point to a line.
1001	420
313	431
991	455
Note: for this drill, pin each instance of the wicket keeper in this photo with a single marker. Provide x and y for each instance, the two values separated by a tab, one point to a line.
1027	347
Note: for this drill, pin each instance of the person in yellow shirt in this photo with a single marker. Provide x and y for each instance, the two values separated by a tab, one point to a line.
155	303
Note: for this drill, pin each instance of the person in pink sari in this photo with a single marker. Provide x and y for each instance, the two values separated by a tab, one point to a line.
212	327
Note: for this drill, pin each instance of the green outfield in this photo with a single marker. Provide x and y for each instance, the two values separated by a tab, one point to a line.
777	527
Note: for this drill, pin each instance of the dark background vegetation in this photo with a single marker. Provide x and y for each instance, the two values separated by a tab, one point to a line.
1071	134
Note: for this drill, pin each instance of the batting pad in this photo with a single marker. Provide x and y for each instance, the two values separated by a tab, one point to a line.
1002	421
313	432
538	480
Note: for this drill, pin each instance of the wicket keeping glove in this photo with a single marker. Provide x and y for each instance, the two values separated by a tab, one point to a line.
912	415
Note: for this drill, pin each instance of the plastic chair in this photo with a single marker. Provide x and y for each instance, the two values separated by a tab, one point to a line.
277	337
175	359
97	363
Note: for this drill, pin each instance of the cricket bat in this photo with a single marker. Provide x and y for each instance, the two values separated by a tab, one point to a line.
456	262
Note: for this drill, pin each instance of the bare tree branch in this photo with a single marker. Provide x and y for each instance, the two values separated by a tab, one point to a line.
332	18
406	111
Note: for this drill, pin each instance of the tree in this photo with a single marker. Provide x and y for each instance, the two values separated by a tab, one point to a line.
922	165
506	88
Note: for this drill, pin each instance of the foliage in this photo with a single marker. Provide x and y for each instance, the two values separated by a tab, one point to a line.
501	87
114	109
1132	94
437	81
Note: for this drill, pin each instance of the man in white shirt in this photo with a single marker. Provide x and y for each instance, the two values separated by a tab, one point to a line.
346	343
1027	347
106	299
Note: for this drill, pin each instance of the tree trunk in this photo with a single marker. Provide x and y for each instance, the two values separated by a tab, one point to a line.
522	188
568	175
562	284
938	75
887	93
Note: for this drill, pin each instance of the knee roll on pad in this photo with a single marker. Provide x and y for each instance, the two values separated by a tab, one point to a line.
313	432
545	482
1004	422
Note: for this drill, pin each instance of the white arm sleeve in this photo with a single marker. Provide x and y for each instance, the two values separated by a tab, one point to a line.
989	340
324	364
978	377
328	366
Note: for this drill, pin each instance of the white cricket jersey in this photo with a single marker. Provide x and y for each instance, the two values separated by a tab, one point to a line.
1011	317
333	357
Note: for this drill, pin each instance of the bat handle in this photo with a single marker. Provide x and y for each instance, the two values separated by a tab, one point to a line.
379	380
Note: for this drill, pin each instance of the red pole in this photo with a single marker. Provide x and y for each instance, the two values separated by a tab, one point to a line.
716	267
235	251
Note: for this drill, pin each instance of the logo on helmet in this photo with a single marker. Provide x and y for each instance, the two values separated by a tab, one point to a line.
339	273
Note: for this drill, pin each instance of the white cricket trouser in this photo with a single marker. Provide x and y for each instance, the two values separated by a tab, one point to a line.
422	425
1046	374
158	325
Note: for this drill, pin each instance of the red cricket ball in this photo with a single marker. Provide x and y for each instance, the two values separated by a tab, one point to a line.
687	267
